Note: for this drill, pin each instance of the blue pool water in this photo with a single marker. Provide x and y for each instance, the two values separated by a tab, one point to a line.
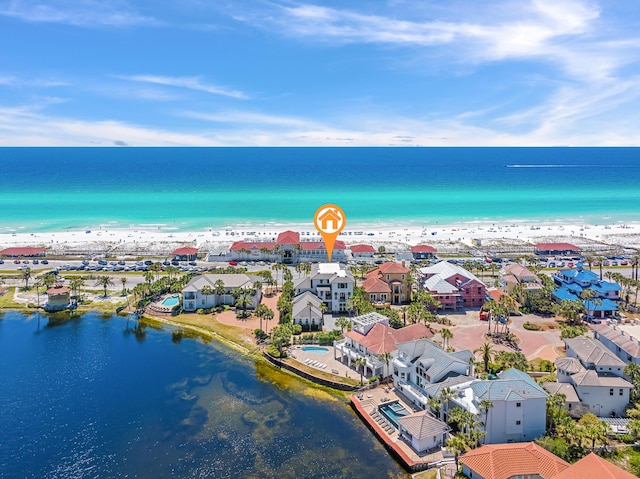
393	411
315	349
170	301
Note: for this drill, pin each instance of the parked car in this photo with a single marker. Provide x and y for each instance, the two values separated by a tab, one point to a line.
233	263
44	261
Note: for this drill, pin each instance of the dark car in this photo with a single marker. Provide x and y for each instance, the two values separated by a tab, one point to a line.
148	262
44	261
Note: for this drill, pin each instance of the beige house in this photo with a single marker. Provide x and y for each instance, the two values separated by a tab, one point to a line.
515	274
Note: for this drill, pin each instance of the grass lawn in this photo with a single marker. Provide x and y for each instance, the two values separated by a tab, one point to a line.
7	302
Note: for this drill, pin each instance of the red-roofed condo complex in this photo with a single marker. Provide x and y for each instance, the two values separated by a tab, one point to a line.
288	248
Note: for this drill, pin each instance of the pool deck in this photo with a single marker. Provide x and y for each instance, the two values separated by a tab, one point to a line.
334	366
366	403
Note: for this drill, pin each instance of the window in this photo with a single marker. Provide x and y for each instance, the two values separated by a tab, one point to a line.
518	423
611	392
388	277
518	404
620	392
403	280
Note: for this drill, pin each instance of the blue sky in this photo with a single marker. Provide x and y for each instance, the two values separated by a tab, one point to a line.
247	72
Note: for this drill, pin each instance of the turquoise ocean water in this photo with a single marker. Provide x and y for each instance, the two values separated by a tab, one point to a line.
47	189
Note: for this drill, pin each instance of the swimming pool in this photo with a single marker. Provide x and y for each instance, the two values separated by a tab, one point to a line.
170	301
315	349
392	411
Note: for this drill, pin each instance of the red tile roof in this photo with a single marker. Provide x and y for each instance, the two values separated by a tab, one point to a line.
238	245
383	339
362	248
310	245
556	247
392	267
58	289
288	237
502	461
25	251
285	238
423	248
373	284
185	251
594	466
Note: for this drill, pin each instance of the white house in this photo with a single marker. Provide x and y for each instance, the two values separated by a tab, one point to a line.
371	338
421	365
519	406
306	311
329	282
619	342
423	431
193	298
596	375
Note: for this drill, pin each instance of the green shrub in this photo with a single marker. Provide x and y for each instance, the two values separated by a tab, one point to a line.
297	329
199	311
531	326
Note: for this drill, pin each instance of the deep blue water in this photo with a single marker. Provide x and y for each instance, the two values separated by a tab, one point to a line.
49	189
88	398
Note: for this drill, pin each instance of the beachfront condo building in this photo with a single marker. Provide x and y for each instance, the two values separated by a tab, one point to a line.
330	282
288	248
453	286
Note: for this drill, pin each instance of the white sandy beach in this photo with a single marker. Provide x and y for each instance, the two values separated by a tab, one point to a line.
395	238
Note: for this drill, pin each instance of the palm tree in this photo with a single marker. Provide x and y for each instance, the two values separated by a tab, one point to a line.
206	291
571	309
343	323
269	314
360	363
220	290
487	354
26	276
435	405
485	405
76	283
446	394
456	444
123	280
104	281
48	280
37	284
446	336
386	359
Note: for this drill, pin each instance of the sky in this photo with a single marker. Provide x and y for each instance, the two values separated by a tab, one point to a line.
323	73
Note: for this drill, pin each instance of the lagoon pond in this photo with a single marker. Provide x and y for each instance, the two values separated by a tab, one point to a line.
96	396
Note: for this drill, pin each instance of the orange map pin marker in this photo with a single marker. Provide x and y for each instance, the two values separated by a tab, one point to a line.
329	220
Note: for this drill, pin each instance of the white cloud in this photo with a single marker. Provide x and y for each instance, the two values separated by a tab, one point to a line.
83	13
191	83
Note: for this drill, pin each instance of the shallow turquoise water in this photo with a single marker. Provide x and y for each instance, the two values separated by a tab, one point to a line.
200	188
